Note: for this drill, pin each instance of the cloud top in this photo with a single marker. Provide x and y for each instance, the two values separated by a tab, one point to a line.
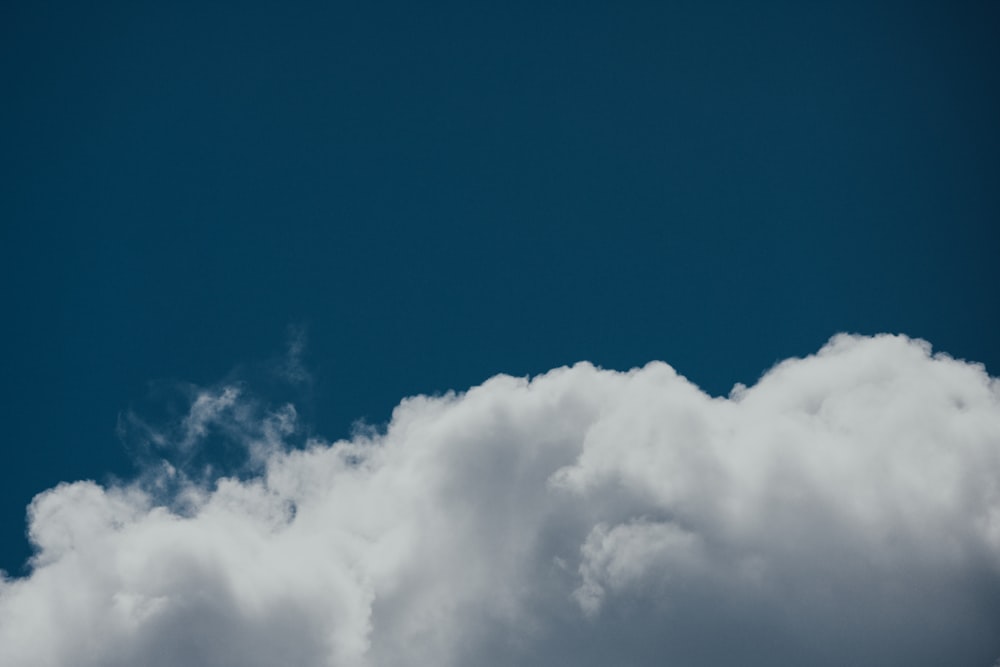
843	510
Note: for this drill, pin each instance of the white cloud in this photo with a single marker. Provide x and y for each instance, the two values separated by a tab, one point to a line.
844	510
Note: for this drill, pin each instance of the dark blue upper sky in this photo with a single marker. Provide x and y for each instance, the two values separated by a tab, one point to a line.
440	193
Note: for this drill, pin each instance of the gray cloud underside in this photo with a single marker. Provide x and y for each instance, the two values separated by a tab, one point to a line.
844	510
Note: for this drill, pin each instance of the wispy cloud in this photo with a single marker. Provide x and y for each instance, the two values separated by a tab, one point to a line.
844	510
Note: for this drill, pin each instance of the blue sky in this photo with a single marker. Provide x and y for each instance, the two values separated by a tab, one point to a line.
433	195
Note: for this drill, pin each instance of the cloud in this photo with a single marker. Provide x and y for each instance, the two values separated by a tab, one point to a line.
843	510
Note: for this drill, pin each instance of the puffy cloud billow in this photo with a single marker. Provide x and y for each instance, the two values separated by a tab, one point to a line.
843	510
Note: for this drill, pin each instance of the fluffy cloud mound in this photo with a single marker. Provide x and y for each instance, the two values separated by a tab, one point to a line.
844	510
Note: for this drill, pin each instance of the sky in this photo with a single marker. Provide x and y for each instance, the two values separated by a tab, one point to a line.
235	239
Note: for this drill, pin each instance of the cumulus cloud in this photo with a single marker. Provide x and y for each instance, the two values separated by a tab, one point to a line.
843	510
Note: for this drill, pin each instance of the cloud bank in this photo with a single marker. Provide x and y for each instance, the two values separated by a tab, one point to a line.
843	510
